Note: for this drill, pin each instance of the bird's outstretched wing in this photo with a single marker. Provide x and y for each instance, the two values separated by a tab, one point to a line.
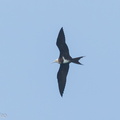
61	76
63	48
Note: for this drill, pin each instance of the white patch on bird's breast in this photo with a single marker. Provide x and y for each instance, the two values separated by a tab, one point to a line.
65	60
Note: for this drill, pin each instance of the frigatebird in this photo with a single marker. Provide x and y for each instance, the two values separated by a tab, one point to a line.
64	60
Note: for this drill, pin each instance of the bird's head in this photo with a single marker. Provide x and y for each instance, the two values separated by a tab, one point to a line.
56	61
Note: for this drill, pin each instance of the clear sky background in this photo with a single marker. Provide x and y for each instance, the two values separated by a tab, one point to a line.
28	83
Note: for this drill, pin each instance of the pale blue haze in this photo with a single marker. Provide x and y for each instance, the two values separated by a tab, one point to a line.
28	84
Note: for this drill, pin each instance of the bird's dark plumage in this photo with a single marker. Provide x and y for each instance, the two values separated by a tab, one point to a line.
61	76
64	60
63	48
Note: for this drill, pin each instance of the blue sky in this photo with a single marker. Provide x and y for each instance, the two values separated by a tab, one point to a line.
28	84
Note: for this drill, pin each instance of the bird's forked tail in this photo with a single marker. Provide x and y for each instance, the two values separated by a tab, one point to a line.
76	60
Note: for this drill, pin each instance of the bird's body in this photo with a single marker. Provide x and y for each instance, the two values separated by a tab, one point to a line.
64	60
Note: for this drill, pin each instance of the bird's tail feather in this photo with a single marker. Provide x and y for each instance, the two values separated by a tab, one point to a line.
76	60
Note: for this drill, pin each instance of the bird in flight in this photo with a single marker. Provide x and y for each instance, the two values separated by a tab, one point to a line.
64	60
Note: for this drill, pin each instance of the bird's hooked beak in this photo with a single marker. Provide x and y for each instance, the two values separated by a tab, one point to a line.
56	61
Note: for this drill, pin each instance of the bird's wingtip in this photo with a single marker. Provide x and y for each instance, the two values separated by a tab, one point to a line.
61	28
61	95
